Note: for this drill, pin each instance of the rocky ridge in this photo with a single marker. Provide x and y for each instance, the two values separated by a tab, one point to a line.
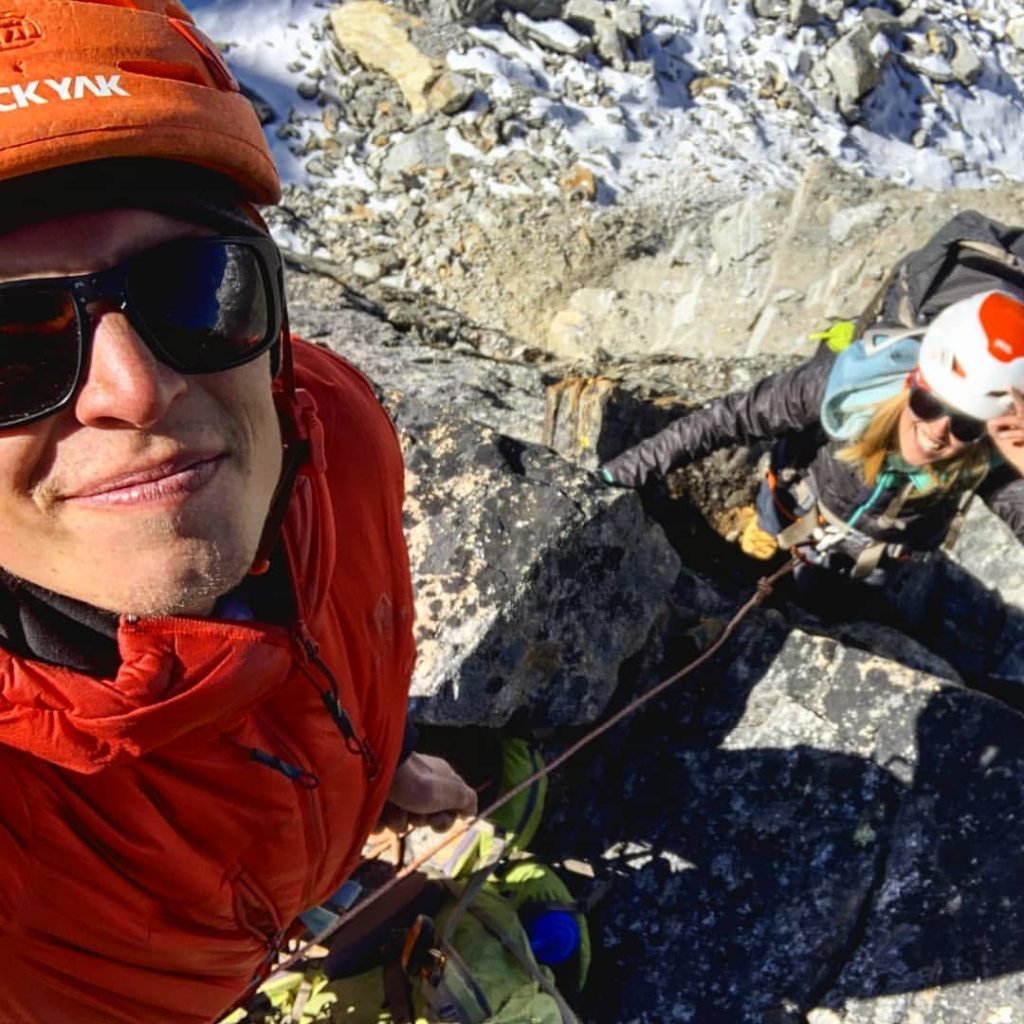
476	163
823	823
819	827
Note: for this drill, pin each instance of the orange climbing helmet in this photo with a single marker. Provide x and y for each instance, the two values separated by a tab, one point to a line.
89	80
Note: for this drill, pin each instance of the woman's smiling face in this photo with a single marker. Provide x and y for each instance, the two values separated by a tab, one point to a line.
923	442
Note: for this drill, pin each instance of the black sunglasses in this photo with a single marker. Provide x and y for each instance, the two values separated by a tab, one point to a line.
925	406
201	305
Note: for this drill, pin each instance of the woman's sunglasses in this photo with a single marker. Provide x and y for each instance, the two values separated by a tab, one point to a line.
925	406
201	305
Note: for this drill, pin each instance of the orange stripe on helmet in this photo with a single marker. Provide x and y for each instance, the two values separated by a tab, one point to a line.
1002	318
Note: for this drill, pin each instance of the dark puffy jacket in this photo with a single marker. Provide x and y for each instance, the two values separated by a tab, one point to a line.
788	405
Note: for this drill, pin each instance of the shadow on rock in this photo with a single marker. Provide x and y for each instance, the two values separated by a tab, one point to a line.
935	616
798	835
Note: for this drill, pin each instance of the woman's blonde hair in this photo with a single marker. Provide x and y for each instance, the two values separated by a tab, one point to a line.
881	439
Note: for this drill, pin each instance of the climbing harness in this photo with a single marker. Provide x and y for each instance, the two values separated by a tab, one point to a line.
821	530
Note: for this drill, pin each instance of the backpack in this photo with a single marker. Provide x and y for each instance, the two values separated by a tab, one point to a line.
875	353
456	941
456	952
970	253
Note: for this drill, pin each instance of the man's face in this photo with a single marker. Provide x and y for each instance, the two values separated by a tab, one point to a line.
148	492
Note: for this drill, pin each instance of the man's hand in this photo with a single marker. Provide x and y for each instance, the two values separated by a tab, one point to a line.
1007	433
427	791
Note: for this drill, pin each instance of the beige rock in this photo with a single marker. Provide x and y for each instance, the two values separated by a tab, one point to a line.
788	263
579	180
570	334
701	85
379	37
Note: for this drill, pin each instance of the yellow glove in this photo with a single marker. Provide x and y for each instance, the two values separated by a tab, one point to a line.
757	542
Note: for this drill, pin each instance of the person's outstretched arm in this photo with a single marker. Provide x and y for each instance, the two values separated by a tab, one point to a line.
785	401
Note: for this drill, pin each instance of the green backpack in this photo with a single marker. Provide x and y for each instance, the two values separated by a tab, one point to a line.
449	944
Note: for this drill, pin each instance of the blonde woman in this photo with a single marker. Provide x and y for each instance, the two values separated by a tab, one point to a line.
877	448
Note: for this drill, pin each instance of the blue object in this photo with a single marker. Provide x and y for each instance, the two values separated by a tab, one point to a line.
554	935
871	370
328	914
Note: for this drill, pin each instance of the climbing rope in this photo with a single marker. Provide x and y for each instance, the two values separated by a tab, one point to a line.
765	585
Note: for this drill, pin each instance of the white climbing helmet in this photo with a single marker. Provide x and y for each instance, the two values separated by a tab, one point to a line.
973	352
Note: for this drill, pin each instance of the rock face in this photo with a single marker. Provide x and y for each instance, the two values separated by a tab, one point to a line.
815	828
821	826
533	583
805	833
763	272
531	589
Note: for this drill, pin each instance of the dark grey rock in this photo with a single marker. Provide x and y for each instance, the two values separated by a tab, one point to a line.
264	111
804	832
423	148
803	13
532	586
475	12
534	582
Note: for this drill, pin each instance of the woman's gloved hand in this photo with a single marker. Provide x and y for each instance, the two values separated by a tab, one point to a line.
756	542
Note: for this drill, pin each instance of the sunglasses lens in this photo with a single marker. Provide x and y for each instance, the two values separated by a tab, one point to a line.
206	306
925	406
39	351
966	430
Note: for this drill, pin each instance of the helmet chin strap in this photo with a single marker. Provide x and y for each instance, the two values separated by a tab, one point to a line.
302	444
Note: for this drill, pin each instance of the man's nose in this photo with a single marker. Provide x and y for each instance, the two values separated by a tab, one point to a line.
124	382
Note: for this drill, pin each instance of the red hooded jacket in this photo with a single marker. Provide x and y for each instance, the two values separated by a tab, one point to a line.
149	867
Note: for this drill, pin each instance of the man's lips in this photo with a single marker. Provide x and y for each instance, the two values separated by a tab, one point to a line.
173	478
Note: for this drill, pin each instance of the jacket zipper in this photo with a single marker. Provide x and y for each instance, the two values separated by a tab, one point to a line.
310	660
354	743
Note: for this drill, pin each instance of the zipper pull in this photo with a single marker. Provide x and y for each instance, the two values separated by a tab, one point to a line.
308	646
353	743
307	780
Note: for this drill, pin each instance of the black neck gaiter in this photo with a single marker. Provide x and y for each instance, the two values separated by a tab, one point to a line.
39	624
